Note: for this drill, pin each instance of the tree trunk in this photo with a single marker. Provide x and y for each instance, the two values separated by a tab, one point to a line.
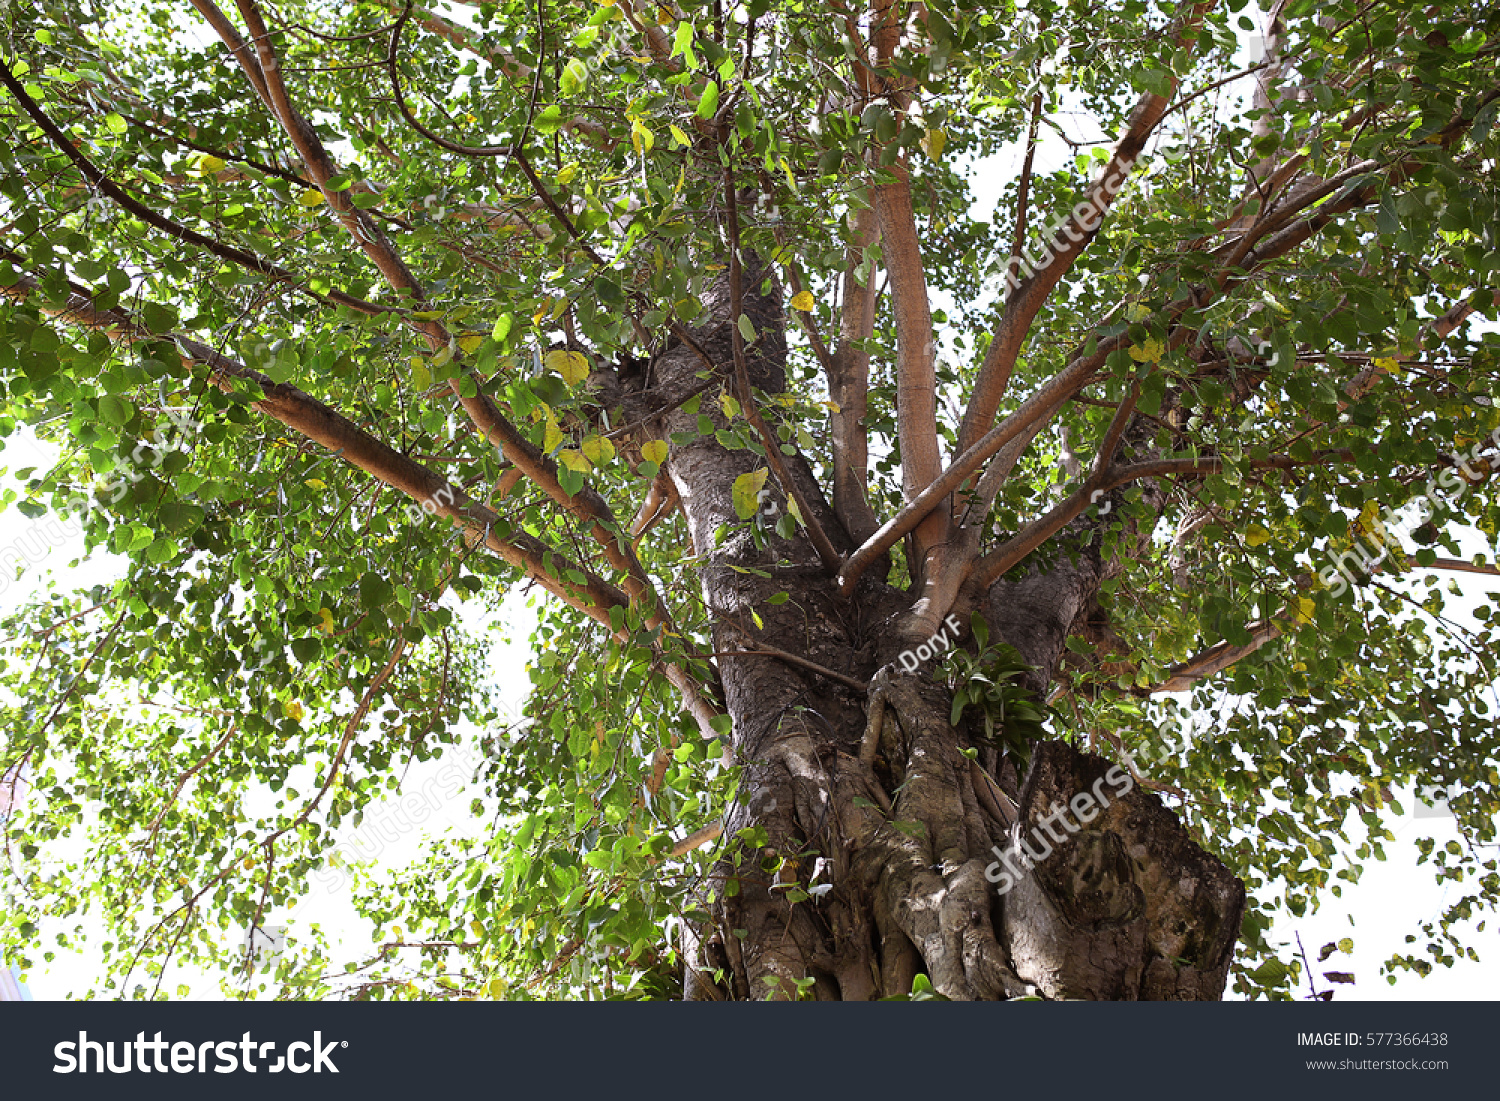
866	849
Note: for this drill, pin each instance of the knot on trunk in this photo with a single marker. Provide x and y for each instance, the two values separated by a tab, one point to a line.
1106	896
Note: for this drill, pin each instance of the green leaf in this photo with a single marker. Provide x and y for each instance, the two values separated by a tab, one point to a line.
575	77
708	102
115	410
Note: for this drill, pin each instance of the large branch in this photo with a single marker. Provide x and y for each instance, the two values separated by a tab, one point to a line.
587	505
1073	235
901	249
1037	408
1081	370
316	421
916	379
996	563
849	385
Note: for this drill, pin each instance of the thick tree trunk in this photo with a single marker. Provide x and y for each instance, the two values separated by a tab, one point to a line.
866	848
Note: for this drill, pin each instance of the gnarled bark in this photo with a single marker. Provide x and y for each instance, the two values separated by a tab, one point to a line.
865	848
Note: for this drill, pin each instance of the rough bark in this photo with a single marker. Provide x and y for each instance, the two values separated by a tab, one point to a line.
872	844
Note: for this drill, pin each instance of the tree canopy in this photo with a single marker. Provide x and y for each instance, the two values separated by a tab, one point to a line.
348	319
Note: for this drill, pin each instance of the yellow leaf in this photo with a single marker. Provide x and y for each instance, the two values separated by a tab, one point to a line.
315	483
572	366
1304	609
1388	364
497	986
208	164
641	137
574	460
804	301
678	136
654	451
1137	312
746	492
730	406
325	621
933	142
1149	352
565	174
1368	517
597	449
295	711
553	436
1255	535
470	341
421	377
310	198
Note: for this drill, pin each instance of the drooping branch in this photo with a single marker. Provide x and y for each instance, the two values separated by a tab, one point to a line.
587	505
316	421
391	56
307	416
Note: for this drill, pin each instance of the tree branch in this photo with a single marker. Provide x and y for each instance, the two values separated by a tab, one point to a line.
1073	236
849	385
120	196
996	563
827	553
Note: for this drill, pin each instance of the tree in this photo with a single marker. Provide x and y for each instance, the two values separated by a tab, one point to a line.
874	501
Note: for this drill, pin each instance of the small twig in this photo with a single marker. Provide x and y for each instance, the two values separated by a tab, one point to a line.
770	651
827	553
